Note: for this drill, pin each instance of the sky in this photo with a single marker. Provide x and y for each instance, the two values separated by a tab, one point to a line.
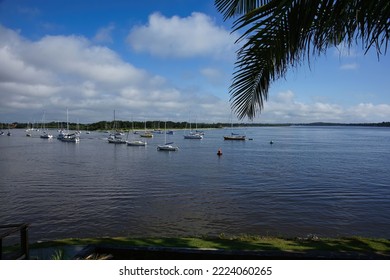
163	60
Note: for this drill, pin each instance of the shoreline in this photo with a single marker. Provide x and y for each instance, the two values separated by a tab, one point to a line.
222	247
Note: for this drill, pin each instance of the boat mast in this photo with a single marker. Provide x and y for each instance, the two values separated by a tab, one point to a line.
67	120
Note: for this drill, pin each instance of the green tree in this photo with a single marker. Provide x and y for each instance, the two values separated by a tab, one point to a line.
279	34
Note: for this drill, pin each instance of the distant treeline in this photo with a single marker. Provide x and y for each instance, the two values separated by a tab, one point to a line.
120	125
384	124
152	125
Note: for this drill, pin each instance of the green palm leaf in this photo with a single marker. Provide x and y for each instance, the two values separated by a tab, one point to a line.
279	34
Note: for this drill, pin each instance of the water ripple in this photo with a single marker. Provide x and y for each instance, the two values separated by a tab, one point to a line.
312	180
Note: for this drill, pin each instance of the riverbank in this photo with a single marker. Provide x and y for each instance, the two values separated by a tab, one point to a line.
242	247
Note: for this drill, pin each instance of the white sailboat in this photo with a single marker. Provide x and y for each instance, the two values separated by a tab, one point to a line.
65	136
116	137
146	134
134	142
28	130
193	134
167	146
234	136
45	134
9	131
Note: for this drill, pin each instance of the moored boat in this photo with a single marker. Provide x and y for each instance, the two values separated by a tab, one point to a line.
116	139
136	143
45	135
65	136
167	146
70	137
234	136
116	136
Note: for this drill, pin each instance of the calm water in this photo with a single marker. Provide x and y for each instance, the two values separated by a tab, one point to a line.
328	181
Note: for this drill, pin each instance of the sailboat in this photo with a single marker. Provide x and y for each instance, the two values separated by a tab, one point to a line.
116	137
193	135
167	146
44	134
65	136
234	136
9	131
28	130
146	134
135	142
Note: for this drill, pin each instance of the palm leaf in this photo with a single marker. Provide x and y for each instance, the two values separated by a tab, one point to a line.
280	34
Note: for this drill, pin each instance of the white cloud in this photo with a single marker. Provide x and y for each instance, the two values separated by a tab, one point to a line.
368	112
284	97
347	57
284	108
12	63
196	35
56	72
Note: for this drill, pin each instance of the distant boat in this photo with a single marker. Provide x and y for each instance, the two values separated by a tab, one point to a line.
44	134
62	133
167	146
134	142
146	134
234	136
28	130
116	137
70	137
65	136
193	134
9	132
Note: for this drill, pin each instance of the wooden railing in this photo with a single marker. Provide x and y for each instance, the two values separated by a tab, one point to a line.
7	230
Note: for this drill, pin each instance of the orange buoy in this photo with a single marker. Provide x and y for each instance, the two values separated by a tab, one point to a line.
219	152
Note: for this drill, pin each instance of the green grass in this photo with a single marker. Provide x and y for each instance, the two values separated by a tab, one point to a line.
258	243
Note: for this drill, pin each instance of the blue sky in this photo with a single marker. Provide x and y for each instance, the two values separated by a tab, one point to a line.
166	60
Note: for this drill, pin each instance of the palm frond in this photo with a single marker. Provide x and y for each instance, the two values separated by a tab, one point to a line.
279	34
231	8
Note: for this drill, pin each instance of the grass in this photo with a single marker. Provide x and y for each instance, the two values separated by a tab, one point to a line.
245	242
